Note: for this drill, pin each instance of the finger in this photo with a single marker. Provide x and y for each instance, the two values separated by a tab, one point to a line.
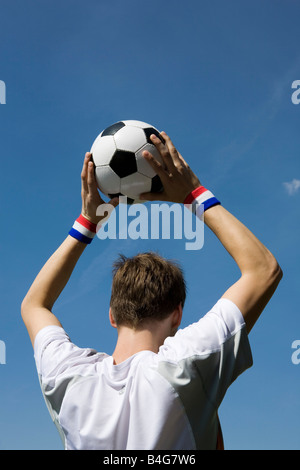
84	171
155	164
114	201
165	153
92	185
90	175
159	143
86	160
172	149
184	163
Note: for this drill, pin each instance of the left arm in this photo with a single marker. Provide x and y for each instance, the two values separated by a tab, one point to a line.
49	283
51	280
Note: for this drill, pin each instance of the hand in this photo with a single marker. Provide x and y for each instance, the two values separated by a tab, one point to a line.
90	195
177	178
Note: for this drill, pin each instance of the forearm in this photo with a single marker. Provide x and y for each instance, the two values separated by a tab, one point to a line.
51	280
54	275
248	252
182	185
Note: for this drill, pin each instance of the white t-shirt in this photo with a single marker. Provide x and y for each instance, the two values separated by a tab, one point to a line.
163	401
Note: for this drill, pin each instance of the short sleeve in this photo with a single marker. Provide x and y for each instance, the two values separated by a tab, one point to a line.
60	363
55	354
211	353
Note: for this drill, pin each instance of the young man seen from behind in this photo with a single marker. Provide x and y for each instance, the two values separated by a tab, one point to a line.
162	386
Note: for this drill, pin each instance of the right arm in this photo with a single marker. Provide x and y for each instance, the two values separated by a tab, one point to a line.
37	305
260	272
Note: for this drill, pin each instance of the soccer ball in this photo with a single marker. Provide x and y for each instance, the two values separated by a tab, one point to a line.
120	168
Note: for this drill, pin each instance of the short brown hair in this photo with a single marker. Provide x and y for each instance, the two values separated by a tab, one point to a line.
145	287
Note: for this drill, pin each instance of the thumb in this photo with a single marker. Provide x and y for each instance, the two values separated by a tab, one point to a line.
114	201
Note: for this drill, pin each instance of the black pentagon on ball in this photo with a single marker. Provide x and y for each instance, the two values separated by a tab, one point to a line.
123	163
129	201
149	131
111	130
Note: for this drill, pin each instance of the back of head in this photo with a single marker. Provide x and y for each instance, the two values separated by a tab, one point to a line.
145	287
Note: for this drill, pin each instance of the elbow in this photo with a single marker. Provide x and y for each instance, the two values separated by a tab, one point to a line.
278	273
275	272
275	268
26	310
268	271
31	303
274	278
26	306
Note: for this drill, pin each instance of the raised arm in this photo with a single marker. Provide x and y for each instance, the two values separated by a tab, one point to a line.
260	272
53	277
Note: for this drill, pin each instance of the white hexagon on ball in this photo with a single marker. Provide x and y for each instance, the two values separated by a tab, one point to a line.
103	149
130	138
108	181
135	184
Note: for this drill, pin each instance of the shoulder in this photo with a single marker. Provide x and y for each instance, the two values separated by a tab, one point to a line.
202	360
55	353
222	322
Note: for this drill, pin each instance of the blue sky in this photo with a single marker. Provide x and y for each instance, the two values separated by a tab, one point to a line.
216	76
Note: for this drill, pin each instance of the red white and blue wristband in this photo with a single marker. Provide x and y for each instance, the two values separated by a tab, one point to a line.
83	230
199	200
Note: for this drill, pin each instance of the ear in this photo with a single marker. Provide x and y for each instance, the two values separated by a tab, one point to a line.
111	319
177	316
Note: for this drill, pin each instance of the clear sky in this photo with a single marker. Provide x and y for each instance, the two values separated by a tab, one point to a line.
216	76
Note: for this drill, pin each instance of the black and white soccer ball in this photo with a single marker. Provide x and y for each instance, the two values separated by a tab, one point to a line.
120	168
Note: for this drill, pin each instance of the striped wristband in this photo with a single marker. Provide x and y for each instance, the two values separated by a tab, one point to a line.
200	199
83	230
